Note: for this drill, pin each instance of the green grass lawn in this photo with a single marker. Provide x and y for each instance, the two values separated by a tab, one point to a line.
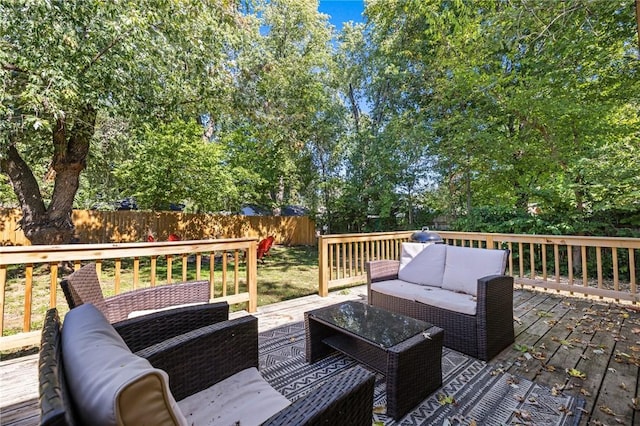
288	273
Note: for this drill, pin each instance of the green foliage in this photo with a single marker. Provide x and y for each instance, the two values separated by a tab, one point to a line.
172	164
472	109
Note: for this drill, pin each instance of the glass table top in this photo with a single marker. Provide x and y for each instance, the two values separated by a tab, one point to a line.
373	324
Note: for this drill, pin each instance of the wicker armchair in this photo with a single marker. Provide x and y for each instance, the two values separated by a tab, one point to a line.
196	360
83	286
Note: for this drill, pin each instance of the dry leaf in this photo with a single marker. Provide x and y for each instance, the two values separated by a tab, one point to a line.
576	373
523	415
565	409
585	392
444	399
380	409
606	410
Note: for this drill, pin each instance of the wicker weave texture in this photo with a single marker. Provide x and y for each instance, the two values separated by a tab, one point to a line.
83	286
413	368
482	336
200	357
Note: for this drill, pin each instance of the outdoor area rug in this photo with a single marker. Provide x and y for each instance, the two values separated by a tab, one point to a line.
472	391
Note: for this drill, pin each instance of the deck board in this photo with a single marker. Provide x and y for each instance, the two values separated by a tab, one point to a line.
597	338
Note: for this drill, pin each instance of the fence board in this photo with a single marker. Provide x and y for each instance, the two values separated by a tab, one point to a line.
93	226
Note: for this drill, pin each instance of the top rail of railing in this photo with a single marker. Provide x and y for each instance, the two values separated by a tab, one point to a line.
32	288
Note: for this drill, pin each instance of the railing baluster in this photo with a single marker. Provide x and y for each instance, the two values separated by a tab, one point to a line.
585	271
185	260
117	276
53	285
632	273
136	272
556	259
3	288
154	261
28	297
614	263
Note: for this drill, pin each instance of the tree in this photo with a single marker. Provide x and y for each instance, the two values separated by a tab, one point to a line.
171	164
64	63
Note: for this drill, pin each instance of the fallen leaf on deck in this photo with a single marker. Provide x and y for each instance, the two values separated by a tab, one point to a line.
512	380
585	392
549	368
606	410
576	373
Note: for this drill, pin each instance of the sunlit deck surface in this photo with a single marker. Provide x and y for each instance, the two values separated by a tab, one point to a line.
554	335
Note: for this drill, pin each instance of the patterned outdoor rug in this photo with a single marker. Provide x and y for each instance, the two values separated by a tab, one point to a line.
480	393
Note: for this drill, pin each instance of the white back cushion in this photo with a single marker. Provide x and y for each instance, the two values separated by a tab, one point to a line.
110	385
465	265
426	267
409	251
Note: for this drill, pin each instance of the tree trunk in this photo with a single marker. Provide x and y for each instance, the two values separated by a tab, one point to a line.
52	224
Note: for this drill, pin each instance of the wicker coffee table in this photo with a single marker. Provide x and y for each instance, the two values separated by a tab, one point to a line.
406	350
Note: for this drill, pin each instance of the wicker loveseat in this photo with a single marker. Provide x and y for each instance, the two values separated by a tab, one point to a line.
460	289
91	374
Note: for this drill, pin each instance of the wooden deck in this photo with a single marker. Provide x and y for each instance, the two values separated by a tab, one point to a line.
555	336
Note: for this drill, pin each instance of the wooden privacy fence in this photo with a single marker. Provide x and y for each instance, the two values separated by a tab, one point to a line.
590	266
29	276
93	226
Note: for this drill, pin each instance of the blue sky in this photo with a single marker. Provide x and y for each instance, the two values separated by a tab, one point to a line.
342	11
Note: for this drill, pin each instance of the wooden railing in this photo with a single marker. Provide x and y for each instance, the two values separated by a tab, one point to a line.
590	266
29	275
341	258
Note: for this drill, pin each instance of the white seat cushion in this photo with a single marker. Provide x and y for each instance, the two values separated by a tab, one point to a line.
465	265
398	288
140	313
243	399
426	267
110	385
433	296
447	299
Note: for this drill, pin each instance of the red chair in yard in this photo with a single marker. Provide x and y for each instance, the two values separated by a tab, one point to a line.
263	248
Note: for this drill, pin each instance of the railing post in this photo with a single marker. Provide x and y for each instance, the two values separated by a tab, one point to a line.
252	275
323	267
